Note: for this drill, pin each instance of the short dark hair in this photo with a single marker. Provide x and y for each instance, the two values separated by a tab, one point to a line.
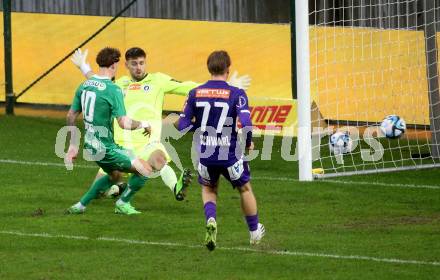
134	53
107	57
218	62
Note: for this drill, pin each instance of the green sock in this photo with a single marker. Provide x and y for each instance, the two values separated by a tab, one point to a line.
135	183
98	186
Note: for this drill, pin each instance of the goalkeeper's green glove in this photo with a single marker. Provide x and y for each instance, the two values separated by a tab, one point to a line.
242	82
79	58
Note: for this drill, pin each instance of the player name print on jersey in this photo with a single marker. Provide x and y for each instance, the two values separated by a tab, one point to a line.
213	93
215	140
93	83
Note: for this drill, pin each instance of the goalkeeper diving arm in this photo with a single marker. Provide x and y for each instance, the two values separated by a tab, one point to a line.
242	82
182	88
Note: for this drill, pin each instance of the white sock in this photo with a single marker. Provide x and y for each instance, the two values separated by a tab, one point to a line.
79	205
119	202
168	177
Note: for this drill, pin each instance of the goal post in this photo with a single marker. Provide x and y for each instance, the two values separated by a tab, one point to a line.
429	26
303	89
357	63
7	48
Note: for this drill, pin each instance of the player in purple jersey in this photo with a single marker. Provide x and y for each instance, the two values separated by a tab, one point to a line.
216	106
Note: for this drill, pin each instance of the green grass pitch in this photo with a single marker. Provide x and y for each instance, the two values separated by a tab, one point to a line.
384	226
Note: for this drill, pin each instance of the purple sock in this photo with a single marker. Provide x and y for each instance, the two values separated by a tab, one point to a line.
210	210
252	222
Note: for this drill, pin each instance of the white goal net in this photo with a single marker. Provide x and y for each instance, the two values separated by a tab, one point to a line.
374	85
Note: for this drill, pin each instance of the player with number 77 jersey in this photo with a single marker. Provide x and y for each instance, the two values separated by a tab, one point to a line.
216	106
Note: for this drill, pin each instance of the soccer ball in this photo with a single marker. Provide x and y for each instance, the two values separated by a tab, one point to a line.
340	143
393	126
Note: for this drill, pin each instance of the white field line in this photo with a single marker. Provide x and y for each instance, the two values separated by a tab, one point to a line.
380	184
238	249
10	161
411	186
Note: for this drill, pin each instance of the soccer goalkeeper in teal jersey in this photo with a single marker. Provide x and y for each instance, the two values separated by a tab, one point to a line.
144	95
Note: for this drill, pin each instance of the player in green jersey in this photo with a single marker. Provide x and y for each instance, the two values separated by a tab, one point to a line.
101	101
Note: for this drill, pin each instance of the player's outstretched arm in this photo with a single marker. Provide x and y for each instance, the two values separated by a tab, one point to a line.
130	124
243	82
79	58
172	86
185	121
246	129
73	147
244	115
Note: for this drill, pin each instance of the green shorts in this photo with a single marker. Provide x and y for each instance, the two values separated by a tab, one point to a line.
143	151
117	159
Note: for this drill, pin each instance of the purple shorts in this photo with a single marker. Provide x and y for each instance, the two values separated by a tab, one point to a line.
237	174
